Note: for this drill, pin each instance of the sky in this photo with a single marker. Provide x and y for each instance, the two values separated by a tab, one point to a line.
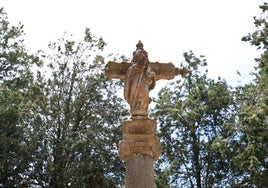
167	28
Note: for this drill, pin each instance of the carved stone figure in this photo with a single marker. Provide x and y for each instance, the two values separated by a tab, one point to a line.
140	79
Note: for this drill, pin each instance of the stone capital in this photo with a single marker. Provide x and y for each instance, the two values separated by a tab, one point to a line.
140	145
139	137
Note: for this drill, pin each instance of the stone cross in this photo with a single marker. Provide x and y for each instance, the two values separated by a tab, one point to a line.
140	146
140	76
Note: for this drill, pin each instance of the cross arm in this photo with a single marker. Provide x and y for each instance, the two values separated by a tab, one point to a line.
116	70
162	70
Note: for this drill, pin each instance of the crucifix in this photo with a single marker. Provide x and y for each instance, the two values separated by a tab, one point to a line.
140	146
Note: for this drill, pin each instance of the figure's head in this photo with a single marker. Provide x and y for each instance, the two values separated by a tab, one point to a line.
140	55
139	45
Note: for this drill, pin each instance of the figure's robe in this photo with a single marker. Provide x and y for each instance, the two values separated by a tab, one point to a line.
139	81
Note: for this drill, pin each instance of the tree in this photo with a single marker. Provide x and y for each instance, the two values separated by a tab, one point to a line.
192	115
15	82
251	140
77	123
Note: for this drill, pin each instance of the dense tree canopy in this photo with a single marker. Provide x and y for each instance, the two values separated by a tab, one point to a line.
253	114
60	129
15	84
60	118
191	116
215	136
77	122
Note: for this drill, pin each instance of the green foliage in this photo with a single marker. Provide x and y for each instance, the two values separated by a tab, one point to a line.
15	61
191	116
213	136
60	129
252	127
15	82
77	121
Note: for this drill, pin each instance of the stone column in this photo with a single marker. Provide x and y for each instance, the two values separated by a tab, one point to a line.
139	149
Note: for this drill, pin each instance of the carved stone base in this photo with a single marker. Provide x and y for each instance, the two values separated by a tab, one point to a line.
143	144
139	138
139	149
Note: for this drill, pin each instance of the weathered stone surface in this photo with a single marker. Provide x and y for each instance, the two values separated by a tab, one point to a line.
145	144
167	71
139	137
140	77
139	127
139	171
140	146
